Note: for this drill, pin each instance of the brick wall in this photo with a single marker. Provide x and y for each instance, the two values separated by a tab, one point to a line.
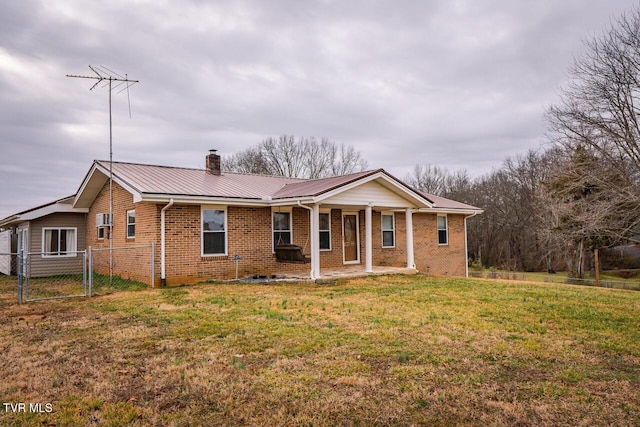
249	235
435	259
131	263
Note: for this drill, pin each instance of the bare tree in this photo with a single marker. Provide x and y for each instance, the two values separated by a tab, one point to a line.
596	191
594	205
437	180
248	161
298	158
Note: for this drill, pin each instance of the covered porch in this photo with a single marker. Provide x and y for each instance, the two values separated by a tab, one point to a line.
351	227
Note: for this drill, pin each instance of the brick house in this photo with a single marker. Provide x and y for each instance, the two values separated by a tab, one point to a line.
204	218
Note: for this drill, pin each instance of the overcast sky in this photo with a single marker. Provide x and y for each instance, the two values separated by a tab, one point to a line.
461	84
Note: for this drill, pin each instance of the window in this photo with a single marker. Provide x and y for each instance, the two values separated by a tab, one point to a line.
103	221
388	231
281	228
443	238
59	242
131	224
214	231
325	231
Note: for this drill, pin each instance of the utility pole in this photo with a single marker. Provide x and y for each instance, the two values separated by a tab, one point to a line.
107	77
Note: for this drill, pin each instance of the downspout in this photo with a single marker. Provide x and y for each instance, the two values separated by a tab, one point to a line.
466	248
163	277
311	219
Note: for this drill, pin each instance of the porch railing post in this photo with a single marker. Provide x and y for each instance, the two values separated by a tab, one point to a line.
368	239
410	257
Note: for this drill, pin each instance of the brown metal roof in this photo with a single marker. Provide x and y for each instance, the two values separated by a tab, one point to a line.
441	202
151	179
315	187
174	181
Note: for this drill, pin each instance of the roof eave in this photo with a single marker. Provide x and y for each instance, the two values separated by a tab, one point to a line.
10	220
455	211
93	183
201	200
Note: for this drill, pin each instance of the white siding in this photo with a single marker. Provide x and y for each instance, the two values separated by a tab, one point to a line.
369	192
5	248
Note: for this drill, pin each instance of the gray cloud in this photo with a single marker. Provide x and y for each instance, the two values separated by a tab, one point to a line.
461	84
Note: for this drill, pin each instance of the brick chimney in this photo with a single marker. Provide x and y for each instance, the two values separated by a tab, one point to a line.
213	163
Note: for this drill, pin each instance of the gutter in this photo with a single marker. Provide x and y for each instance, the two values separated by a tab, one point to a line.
163	276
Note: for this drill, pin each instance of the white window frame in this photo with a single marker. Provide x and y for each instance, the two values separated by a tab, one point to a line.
102	226
202	231
325	212
128	224
69	253
392	229
446	230
274	211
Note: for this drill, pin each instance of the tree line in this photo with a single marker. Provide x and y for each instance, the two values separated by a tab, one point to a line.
546	209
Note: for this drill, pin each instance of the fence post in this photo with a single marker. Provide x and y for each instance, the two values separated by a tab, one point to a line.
90	254
20	261
153	273
27	275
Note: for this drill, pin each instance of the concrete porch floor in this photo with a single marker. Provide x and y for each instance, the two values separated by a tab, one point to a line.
346	272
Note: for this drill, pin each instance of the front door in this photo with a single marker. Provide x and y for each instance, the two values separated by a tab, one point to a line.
350	239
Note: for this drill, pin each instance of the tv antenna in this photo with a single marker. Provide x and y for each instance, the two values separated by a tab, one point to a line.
107	77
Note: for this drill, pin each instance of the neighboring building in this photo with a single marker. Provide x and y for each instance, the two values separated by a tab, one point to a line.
52	234
204	218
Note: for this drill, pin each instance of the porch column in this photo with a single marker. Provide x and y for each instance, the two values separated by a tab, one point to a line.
410	259
368	240
315	241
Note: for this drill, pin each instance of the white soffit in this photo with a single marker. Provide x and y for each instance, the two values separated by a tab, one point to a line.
378	192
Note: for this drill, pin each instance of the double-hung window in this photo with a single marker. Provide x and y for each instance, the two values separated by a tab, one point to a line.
214	231
131	224
443	235
281	228
388	230
325	231
59	242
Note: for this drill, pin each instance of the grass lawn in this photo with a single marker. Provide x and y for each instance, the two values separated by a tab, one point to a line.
395	350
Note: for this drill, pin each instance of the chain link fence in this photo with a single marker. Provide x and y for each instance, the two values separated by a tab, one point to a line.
557	278
124	267
42	276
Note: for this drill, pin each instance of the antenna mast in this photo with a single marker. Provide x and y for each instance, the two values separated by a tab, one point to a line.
107	77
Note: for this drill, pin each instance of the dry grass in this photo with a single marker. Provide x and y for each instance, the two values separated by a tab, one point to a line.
397	350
